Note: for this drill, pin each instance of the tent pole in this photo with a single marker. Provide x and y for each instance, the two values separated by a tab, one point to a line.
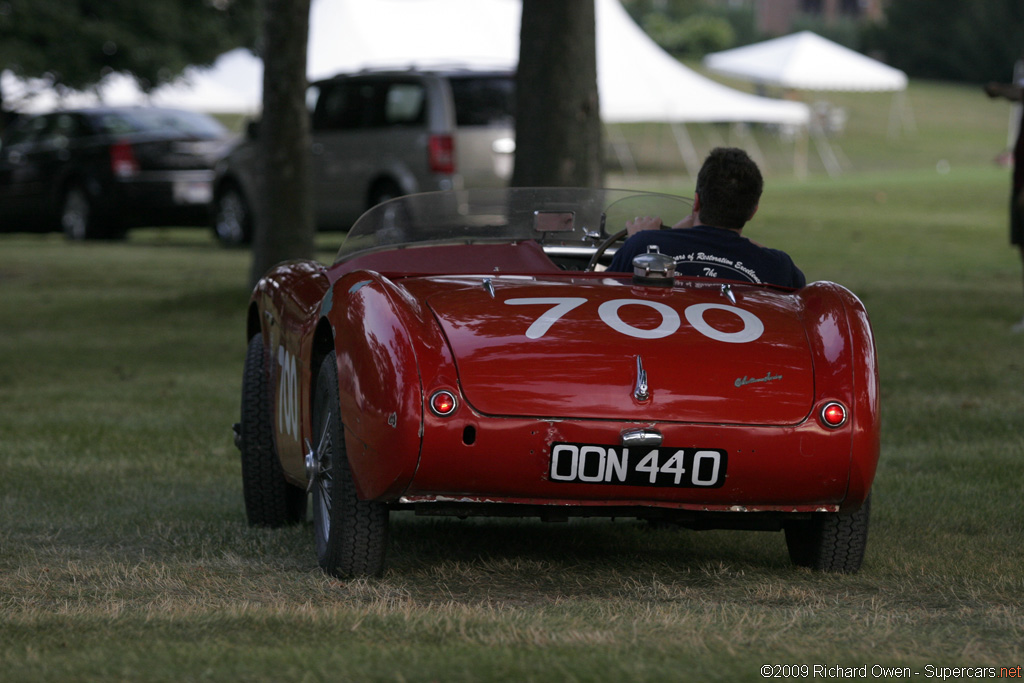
827	154
744	132
622	151
686	149
800	154
901	117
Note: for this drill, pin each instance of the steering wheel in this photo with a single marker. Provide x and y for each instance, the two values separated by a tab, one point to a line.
603	247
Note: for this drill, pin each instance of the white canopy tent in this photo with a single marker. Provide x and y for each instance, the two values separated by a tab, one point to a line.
637	80
806	61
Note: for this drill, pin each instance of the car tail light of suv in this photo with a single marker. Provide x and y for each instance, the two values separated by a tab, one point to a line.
122	160
441	150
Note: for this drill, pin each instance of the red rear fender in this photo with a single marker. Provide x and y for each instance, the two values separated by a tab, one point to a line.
387	345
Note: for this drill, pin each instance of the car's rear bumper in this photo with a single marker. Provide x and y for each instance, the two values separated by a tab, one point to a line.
694	516
508	461
161	198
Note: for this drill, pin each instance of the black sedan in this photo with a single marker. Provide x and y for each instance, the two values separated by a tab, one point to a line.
95	173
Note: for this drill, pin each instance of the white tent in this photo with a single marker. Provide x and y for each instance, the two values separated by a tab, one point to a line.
637	80
806	61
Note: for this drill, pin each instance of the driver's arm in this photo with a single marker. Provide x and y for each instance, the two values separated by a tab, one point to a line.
643	223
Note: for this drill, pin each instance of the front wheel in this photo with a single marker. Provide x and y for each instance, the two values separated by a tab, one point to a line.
830	542
351	534
270	501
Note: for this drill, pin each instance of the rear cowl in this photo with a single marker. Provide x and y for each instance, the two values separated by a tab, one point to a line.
605	349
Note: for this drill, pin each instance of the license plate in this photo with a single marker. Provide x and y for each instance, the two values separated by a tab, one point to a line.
681	467
192	192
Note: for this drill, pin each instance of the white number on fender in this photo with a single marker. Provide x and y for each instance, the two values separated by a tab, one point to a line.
608	312
287	394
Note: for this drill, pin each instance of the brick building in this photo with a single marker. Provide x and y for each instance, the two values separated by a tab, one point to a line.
776	17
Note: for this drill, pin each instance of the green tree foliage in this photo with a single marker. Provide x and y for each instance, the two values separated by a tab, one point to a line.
75	43
959	40
693	28
695	36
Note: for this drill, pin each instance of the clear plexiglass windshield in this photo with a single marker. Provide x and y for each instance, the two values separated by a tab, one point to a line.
558	218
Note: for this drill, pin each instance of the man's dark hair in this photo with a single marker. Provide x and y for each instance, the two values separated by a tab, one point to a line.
729	184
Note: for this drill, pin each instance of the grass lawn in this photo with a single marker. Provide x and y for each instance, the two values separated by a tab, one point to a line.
124	552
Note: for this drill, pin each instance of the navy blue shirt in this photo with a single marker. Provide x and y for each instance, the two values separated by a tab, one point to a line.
704	251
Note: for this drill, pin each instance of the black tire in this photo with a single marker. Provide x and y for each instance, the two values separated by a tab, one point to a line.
830	542
351	534
232	219
79	219
270	501
382	191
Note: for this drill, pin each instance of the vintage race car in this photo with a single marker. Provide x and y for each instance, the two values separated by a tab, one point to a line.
466	355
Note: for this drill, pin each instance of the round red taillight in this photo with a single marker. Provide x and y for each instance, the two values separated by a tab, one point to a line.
833	415
443	403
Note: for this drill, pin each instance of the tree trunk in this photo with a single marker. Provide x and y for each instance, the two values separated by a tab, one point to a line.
558	120
283	228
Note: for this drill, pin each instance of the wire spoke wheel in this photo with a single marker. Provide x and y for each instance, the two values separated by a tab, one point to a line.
321	484
351	534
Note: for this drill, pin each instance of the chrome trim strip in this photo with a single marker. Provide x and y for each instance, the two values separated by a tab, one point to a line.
641	392
640	438
728	294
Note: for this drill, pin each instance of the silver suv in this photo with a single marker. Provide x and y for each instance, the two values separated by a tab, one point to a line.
382	134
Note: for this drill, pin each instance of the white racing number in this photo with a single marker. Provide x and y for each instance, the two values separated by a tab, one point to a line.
559	307
608	312
287	394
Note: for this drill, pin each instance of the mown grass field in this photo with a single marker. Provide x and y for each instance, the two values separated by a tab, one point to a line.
124	552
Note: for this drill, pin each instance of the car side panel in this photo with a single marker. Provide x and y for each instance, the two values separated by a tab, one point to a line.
288	299
865	404
378	332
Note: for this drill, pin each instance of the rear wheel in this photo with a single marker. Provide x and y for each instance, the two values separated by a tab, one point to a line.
382	191
232	221
76	214
830	542
79	220
351	534
270	501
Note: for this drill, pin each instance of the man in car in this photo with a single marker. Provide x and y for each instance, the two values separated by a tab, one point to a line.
709	243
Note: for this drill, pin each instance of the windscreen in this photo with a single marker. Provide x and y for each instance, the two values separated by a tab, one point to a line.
146	120
483	100
551	216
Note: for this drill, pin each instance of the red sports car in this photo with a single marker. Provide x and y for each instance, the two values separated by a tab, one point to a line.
465	355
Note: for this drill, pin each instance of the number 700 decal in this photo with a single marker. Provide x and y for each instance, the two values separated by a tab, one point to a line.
608	311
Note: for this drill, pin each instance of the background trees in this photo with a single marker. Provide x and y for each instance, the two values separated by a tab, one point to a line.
954	40
75	43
